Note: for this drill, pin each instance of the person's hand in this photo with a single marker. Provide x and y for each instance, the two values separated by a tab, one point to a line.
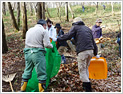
101	37
54	39
97	56
51	46
103	26
115	41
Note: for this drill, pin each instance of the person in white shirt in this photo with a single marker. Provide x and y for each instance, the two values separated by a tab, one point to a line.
51	29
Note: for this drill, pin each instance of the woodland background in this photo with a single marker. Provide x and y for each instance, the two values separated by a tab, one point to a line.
18	17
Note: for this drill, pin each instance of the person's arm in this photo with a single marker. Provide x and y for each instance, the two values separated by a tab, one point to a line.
50	33
94	29
55	35
46	40
95	46
68	35
118	40
62	32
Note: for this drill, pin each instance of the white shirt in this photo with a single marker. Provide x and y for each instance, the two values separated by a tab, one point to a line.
52	32
37	36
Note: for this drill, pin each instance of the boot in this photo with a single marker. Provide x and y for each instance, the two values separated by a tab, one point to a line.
42	87
63	59
23	85
87	86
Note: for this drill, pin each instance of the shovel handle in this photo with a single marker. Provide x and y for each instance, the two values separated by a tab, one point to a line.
11	86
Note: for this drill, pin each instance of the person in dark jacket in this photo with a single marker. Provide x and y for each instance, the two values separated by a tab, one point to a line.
83	8
61	44
85	48
97	33
119	42
97	29
104	7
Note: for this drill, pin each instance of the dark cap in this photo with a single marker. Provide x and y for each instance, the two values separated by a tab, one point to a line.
57	25
41	21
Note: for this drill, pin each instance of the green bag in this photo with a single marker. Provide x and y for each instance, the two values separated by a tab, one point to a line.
53	60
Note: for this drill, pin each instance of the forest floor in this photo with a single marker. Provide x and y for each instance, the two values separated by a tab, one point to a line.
67	79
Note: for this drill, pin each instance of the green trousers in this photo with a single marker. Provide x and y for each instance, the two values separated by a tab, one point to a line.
35	58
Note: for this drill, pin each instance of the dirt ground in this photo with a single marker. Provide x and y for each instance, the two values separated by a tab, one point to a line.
67	79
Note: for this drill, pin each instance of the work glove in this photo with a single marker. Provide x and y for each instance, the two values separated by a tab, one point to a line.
101	37
54	39
51	46
103	26
97	56
115	41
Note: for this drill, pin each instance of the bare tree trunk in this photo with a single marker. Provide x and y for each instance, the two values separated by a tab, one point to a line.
59	11
18	14
24	15
12	16
66	11
43	10
41	4
31	8
112	8
14	5
71	11
4	8
4	44
39	11
96	8
48	11
84	3
35	8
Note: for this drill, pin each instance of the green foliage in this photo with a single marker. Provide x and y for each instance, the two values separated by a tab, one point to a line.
116	48
53	12
88	10
7	13
77	10
16	30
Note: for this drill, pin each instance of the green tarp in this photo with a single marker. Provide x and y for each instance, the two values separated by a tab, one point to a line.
53	60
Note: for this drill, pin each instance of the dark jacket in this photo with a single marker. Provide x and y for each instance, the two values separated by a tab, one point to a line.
96	31
83	37
61	43
119	38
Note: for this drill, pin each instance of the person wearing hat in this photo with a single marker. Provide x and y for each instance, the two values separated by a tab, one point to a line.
97	29
97	32
104	7
51	29
85	48
61	44
119	42
83	8
37	39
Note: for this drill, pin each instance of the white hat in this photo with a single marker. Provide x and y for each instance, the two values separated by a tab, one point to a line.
77	19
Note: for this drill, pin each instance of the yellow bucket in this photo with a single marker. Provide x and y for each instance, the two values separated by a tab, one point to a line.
98	68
